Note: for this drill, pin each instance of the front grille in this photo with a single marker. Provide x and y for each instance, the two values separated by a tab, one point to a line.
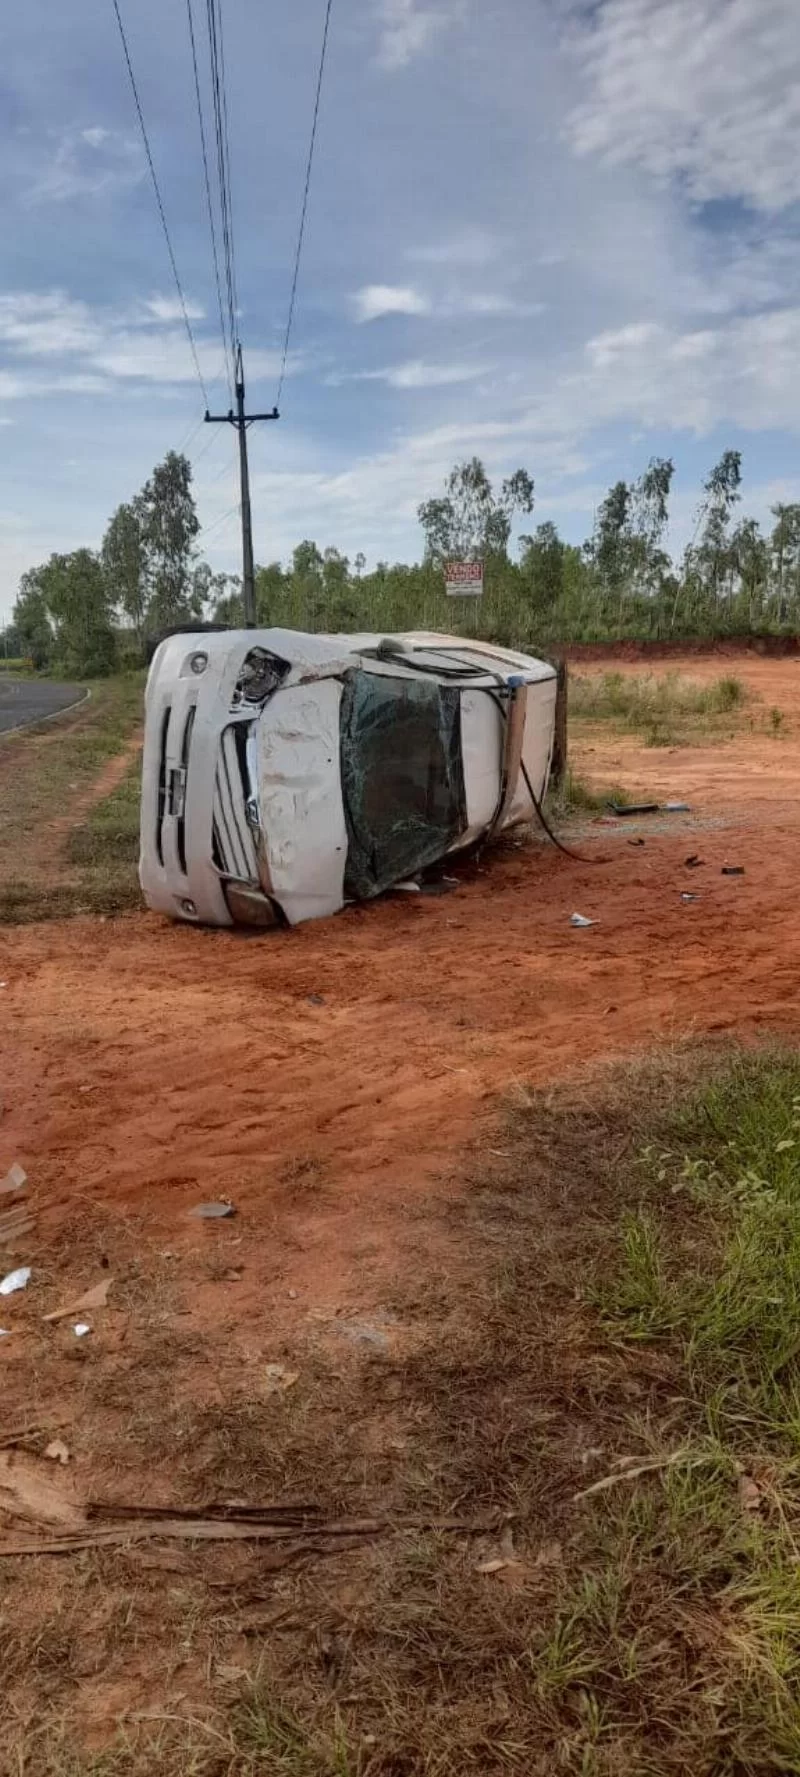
234	843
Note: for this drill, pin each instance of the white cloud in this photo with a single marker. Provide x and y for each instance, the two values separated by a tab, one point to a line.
406	30
745	372
708	90
375	300
168	308
88	163
416	374
468	247
45	324
146	343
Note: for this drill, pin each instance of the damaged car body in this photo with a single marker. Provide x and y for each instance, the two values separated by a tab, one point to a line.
286	774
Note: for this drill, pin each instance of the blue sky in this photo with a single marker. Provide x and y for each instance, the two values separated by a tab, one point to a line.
559	235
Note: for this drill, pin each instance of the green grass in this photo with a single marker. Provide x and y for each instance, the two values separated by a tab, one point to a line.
609	1361
51	867
664	710
574	797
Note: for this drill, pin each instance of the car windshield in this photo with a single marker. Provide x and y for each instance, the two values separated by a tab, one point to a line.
402	777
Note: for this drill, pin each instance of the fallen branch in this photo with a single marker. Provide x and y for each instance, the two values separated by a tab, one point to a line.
318	1538
630	1470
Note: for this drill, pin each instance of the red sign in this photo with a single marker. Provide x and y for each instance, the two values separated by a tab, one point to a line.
463	579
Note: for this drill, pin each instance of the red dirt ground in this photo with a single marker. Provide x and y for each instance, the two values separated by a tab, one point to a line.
148	1067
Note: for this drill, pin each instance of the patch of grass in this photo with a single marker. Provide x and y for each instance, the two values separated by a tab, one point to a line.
606	1374
575	797
665	709
49	869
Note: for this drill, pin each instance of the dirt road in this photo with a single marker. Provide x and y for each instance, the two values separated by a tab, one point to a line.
328	1079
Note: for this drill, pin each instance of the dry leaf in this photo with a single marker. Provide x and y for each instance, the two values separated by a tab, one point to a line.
749	1494
57	1451
496	1565
278	1378
94	1298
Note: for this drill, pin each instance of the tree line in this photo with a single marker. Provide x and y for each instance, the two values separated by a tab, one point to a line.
88	612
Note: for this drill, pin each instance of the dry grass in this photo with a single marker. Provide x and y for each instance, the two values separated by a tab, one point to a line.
53	866
621	1307
666	710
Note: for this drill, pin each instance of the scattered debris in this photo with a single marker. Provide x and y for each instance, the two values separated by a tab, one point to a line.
637	841
94	1298
694	862
57	1451
578	920
212	1212
81	1328
300	1529
5	1332
625	809
405	888
315	999
15	1179
30	1491
31	1431
279	1379
15	1280
732	870
677	808
497	1564
687	897
14	1223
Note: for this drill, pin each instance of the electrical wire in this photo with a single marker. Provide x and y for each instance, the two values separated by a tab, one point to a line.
304	205
216	522
209	202
161	211
216	55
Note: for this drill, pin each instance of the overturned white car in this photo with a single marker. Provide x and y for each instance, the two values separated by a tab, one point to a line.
286	774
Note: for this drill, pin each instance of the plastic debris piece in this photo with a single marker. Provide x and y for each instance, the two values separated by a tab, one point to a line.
57	1451
625	809
212	1212
5	1332
687	897
637	841
315	999
732	870
694	862
578	920
81	1328
677	808
406	888
497	1564
15	1179
15	1280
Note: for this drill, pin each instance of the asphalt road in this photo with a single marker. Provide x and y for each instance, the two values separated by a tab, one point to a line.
23	701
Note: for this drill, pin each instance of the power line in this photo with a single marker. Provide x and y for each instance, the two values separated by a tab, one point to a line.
208	196
215	523
161	212
304	205
214	24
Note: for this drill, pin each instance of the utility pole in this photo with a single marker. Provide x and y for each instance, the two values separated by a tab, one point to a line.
241	421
